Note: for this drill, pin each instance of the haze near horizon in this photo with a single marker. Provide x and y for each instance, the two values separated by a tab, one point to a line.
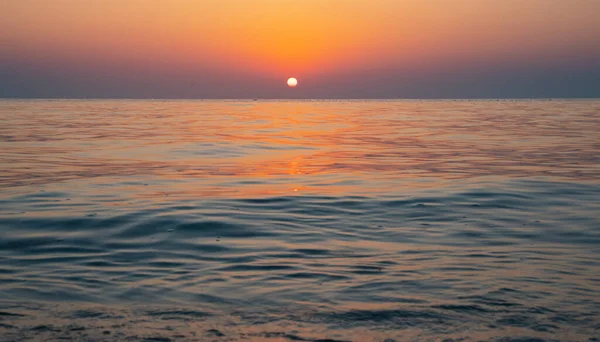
336	49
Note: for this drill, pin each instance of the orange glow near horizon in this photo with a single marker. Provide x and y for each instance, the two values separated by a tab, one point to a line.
282	37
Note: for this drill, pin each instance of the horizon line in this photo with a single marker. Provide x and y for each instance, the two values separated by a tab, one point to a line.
299	99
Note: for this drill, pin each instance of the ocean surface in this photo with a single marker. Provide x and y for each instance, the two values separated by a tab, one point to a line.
148	220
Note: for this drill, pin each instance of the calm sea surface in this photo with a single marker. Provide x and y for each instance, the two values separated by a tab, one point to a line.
134	220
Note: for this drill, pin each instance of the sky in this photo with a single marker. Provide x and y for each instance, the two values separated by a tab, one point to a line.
335	48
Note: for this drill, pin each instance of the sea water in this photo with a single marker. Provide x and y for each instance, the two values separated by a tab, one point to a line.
445	220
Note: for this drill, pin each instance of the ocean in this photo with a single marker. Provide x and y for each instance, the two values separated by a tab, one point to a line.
329	220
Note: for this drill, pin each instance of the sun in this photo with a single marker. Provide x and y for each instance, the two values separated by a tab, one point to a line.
292	82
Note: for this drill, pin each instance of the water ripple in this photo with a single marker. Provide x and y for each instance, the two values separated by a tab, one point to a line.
421	221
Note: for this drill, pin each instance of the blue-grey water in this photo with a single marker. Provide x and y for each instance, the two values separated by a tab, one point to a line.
131	220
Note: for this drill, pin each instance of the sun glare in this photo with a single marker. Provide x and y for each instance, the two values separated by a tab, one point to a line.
292	82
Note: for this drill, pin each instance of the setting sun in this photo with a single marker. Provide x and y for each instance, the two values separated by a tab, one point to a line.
292	82
403	192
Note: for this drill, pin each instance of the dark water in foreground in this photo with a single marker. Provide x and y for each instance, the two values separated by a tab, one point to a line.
300	221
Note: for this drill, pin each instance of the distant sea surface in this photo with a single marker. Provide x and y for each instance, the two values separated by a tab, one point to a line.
140	220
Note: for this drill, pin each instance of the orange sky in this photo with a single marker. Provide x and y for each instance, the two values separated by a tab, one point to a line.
303	38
